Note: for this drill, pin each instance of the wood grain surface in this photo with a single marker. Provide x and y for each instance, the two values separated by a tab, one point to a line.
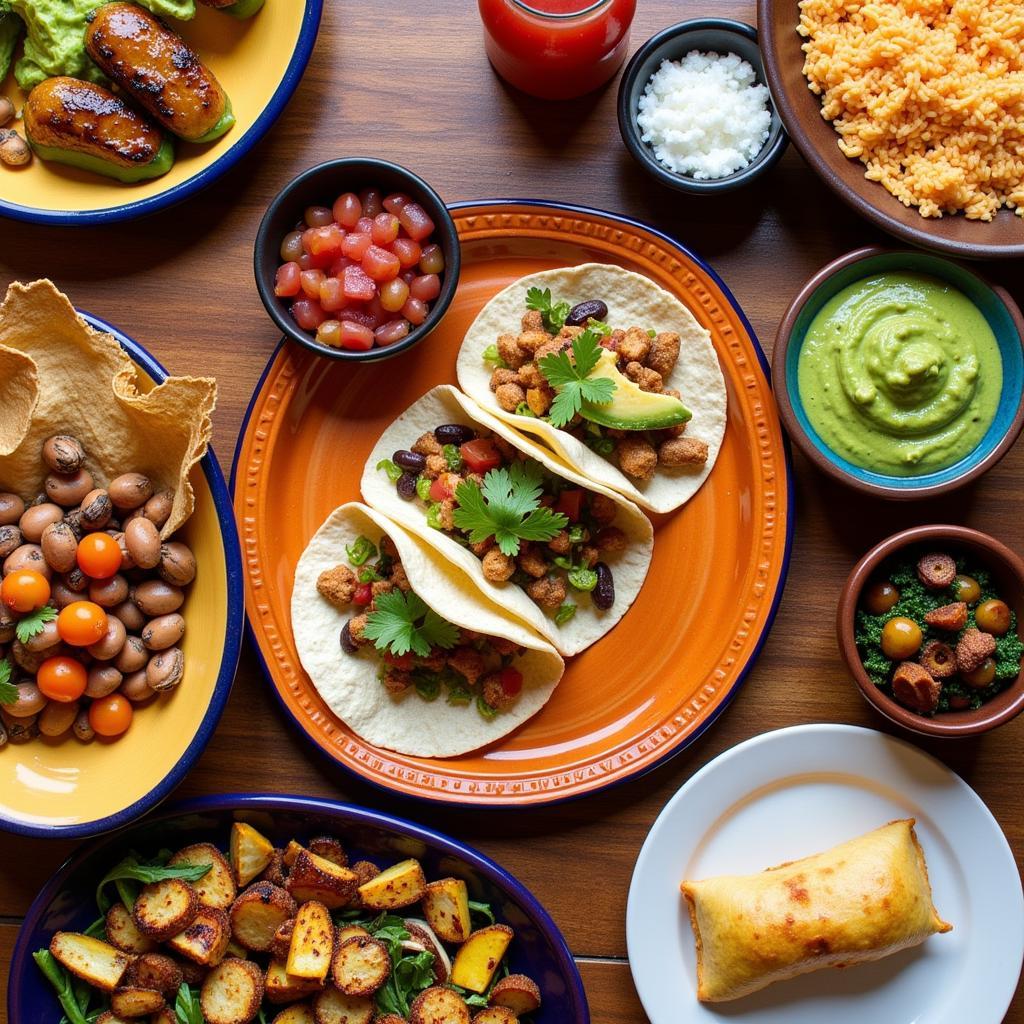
181	284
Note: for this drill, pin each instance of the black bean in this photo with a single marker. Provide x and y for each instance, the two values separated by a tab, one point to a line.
406	486
592	309
348	645
604	592
410	460
453	433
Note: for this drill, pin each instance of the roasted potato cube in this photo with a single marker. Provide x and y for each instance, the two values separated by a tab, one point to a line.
478	957
517	992
251	852
275	872
309	955
446	908
438	1005
334	1007
155	971
165	1015
282	987
237	950
291	851
232	992
399	886
131	1002
389	1018
191	972
282	940
360	965
122	932
349	932
217	887
330	849
92	960
205	941
496	1015
300	1013
257	914
314	878
165	909
109	1017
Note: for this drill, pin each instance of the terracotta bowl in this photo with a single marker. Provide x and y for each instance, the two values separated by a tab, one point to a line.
996	305
1007	571
800	109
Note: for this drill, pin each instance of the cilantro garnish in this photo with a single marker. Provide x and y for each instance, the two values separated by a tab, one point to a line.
569	377
402	622
8	691
32	624
554	315
506	508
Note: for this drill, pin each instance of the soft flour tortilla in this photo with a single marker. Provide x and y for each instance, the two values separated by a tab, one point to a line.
446	404
632	300
59	376
348	682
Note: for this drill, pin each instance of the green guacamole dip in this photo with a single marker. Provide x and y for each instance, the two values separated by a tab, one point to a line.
900	374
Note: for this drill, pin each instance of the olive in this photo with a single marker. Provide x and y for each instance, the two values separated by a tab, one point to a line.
154	597
81	727
453	433
46	638
133	656
110	644
128	612
982	676
901	638
109	593
57	718
410	460
993	617
966	589
591	309
177	564
28	556
76	580
603	594
59	547
68	491
37	519
96	509
880	598
10	538
165	669
63	453
406	486
12	508
102	681
130	490
135	687
163	632
158	509
142	539
348	645
30	701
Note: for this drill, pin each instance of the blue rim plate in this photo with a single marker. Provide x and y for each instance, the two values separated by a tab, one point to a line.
66	901
232	637
556	797
233	153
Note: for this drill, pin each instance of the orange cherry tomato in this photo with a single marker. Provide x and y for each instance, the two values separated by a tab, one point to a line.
99	556
62	679
81	623
25	590
110	716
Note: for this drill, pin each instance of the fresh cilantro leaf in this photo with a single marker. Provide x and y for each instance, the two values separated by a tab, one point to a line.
186	1006
131	869
554	315
362	550
8	691
507	508
570	378
402	622
32	624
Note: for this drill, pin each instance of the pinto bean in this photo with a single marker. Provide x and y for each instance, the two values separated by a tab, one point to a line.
12	508
142	539
68	490
133	656
63	453
46	638
81	727
177	564
158	509
166	669
10	538
76	580
30	701
154	597
164	631
130	490
110	592
96	509
128	612
61	595
109	646
102	681
136	688
36	519
57	718
59	546
28	556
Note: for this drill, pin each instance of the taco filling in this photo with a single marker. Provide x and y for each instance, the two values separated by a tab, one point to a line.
420	652
525	524
604	386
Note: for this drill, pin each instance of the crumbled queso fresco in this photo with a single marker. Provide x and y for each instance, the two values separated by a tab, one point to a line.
705	116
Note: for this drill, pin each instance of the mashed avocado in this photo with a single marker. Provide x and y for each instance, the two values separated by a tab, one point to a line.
55	39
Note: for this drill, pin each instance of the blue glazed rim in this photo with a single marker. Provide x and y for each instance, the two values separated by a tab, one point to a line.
780	585
21	968
232	155
232	638
995	304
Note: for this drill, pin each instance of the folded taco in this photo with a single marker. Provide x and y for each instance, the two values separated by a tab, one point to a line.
565	555
610	372
403	650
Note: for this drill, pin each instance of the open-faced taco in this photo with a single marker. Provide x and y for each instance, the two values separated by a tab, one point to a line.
565	555
609	371
403	649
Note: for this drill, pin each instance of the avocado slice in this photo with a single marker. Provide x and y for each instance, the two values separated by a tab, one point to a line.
243	8
227	120
160	164
630	407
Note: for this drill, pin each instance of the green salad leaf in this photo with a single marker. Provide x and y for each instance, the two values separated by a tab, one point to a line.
132	869
186	1006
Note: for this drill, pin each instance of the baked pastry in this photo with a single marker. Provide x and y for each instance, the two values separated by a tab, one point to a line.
859	901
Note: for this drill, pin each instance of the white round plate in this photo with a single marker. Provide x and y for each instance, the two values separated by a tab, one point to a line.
796	792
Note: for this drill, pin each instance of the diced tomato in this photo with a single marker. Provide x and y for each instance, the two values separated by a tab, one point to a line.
394	294
363	595
355	244
415	220
332	294
339	265
371	200
407	251
569	503
394	202
310	281
385	228
355	337
511	680
415	310
480	455
403	662
329	333
357	285
380	264
286	284
389	333
326	241
443	487
308	314
358	315
347	210
426	287
365	223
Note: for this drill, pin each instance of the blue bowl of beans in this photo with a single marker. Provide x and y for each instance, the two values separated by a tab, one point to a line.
357	259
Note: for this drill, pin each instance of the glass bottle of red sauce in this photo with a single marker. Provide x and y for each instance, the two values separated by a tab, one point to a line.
556	49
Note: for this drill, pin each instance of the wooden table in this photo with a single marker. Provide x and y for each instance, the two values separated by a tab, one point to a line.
181	283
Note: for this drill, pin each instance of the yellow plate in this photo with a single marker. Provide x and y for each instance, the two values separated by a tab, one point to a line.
258	60
66	789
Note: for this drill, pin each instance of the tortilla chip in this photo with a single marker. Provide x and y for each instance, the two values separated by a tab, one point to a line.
59	376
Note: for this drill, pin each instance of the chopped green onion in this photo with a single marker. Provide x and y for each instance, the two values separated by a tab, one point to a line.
453	457
363	549
565	612
651	332
491	355
601	445
423	488
576	534
428	686
393	471
485	709
522	409
563	561
582	578
434	515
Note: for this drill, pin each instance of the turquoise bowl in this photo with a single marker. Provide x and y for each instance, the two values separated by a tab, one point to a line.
995	304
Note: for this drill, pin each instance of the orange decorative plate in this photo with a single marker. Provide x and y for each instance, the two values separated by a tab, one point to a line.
670	667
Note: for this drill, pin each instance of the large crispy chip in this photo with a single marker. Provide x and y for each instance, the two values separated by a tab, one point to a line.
59	376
